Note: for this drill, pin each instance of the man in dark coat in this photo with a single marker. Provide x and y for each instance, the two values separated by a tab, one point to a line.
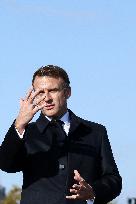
64	159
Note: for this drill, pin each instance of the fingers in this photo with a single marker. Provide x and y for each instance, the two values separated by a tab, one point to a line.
30	103
78	178
37	105
33	95
36	102
77	175
76	193
29	93
82	190
77	187
37	108
73	197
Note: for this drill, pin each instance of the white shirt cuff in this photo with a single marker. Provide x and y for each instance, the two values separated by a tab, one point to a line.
20	135
90	201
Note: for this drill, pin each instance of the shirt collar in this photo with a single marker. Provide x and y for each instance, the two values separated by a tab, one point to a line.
65	118
69	118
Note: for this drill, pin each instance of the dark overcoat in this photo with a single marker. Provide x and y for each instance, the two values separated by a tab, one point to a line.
87	150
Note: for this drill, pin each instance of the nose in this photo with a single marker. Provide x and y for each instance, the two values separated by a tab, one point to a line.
47	96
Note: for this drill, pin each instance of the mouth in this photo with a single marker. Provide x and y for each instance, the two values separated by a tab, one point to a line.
49	107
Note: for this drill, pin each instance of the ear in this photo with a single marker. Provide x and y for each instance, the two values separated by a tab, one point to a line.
68	92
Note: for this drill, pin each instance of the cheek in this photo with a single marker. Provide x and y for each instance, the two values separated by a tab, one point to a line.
59	100
62	100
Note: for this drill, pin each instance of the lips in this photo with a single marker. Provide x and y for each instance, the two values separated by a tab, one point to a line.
49	107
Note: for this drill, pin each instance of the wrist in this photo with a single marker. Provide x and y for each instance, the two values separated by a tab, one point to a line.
20	127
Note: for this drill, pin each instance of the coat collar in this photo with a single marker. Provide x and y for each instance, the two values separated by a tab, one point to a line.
74	122
42	122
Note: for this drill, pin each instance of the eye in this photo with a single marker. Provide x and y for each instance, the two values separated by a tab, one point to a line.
41	93
53	90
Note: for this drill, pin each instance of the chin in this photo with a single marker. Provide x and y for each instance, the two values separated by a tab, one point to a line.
50	113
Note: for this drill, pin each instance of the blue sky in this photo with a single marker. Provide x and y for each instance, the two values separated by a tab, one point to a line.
95	42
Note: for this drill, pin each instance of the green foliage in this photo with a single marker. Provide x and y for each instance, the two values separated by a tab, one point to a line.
13	197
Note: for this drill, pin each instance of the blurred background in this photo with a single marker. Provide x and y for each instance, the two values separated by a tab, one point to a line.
95	42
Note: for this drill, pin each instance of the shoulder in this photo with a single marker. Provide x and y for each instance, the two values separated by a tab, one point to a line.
86	123
92	124
94	132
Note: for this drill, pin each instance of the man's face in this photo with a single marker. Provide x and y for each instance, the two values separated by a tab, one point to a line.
56	95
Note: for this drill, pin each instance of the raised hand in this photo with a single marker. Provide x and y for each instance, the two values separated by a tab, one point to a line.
29	106
82	190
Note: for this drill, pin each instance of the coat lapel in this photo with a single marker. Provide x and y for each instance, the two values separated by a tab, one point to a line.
74	122
42	122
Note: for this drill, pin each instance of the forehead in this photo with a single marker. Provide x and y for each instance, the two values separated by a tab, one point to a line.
47	82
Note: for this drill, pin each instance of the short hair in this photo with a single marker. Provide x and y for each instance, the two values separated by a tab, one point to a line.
52	71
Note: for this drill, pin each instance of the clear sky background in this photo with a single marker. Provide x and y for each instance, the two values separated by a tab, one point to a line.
95	41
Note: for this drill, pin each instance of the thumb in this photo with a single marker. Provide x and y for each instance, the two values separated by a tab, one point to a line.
78	177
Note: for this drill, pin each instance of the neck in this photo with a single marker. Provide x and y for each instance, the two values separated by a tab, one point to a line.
60	116
57	117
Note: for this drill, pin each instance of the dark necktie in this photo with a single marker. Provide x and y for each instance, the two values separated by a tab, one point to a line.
59	133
